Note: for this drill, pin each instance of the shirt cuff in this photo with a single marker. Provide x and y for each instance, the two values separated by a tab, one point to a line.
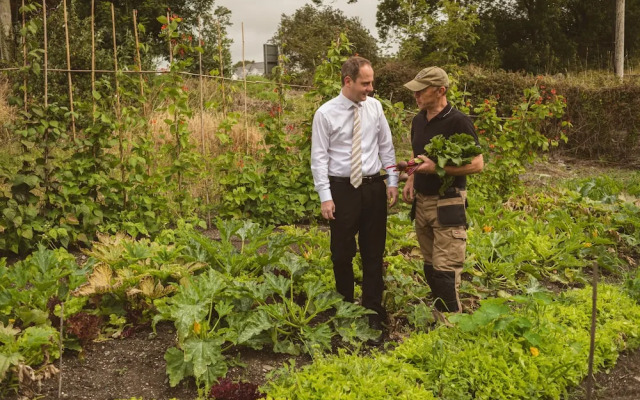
392	181
325	195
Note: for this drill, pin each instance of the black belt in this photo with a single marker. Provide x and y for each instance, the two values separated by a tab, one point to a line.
365	179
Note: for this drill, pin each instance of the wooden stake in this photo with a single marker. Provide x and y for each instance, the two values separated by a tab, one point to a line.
66	34
202	135
46	60
24	54
619	47
222	86
61	350
244	78
170	47
93	55
592	346
135	30
119	129
46	99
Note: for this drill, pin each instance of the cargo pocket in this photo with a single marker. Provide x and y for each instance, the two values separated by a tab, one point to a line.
457	247
451	211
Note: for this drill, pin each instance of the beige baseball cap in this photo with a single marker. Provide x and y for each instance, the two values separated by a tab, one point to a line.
431	76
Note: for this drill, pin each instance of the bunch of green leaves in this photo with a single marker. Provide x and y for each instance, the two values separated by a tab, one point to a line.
457	150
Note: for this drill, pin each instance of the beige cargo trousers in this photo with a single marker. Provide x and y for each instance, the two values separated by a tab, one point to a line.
442	235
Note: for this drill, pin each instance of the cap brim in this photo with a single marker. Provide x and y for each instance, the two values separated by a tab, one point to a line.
415	86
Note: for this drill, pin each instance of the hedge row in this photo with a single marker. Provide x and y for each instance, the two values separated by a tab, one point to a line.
606	124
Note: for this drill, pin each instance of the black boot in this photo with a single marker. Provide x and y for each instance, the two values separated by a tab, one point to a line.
445	291
428	274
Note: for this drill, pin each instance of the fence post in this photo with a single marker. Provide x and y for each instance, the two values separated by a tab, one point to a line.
592	346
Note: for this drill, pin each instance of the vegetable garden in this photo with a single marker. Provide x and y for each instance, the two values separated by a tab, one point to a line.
218	237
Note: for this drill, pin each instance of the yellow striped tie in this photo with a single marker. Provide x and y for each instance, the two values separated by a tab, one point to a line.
356	150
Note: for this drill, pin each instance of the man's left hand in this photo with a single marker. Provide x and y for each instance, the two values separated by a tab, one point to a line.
427	166
392	195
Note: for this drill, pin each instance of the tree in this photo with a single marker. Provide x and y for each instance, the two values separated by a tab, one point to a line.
304	36
216	42
429	31
6	53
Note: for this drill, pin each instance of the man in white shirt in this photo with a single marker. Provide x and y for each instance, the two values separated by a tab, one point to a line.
351	144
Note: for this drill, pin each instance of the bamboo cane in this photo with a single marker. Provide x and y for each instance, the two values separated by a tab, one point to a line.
139	60
117	87
24	54
66	35
170	47
202	134
61	349
93	56
46	60
222	86
244	78
46	97
592	343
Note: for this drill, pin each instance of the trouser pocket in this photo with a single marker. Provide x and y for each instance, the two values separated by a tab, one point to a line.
451	211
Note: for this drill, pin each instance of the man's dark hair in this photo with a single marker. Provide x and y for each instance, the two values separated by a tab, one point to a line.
351	67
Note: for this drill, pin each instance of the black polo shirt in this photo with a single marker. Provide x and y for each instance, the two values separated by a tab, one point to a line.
447	123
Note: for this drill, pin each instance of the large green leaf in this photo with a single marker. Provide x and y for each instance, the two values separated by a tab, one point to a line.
7	360
257	323
8	333
293	263
278	283
205	354
286	346
317	338
177	367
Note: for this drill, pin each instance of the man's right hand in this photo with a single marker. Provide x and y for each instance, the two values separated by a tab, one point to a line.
408	191
328	208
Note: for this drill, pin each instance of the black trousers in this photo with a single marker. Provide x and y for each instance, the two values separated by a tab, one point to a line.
361	211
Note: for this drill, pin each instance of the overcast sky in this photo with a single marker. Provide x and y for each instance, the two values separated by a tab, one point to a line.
262	17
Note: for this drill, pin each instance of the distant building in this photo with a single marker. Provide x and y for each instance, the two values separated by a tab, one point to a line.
253	69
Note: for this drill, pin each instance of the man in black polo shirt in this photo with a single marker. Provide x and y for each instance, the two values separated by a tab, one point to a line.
440	220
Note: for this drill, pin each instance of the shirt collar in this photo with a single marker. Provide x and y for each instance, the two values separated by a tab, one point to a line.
348	103
442	114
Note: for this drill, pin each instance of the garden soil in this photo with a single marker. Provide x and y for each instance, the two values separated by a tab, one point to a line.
135	367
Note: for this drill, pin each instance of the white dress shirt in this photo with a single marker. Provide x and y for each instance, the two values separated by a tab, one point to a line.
332	131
